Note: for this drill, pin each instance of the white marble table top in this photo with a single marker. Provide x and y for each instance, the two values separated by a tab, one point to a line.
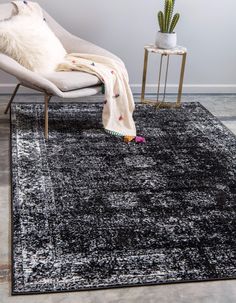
178	50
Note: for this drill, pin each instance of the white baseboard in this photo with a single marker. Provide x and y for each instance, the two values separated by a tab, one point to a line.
7	88
189	88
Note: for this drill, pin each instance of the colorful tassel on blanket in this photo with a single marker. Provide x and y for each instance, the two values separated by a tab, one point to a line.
137	139
128	139
140	140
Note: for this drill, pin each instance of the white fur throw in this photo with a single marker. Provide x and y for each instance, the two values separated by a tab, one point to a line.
27	38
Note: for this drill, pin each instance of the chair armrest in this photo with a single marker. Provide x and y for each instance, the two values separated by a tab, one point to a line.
26	76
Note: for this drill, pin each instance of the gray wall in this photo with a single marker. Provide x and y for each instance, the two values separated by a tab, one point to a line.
207	29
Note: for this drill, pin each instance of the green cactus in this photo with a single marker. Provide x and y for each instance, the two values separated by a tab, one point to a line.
161	21
165	6
174	22
168	15
172	8
166	23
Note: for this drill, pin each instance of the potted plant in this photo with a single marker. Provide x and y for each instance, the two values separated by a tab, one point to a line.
166	37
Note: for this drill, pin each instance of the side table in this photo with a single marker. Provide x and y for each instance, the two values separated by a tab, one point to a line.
179	51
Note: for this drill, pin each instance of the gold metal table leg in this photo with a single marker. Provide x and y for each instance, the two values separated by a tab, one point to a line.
159	78
161	104
144	75
166	77
178	103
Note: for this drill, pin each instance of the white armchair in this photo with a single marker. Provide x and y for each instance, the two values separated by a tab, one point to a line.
62	84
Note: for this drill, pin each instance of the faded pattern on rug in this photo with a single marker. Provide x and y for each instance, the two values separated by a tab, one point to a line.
90	211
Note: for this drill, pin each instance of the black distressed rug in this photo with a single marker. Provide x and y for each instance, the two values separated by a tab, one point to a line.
90	211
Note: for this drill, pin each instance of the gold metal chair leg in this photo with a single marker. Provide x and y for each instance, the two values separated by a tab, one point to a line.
181	80
12	98
144	75
46	101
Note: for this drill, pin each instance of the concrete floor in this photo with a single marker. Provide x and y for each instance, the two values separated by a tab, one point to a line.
222	106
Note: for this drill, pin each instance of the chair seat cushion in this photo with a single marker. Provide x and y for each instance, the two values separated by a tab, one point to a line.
67	81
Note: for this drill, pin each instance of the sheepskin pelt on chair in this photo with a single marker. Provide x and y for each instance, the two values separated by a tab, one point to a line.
27	38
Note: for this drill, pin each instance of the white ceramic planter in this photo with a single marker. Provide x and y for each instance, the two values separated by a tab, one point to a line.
166	40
